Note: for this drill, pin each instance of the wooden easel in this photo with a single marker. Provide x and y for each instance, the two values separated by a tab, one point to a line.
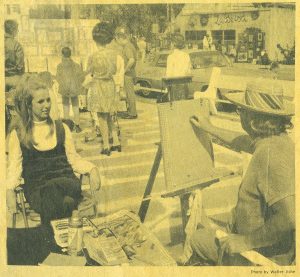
185	192
169	97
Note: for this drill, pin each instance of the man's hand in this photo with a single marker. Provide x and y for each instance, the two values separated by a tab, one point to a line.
95	181
201	123
11	201
233	244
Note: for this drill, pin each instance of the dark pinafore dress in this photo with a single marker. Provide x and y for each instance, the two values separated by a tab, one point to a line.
40	168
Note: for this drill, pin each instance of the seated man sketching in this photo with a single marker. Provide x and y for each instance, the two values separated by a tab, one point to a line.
42	152
264	217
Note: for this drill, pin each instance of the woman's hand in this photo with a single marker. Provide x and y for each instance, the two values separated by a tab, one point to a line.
201	123
11	201
95	181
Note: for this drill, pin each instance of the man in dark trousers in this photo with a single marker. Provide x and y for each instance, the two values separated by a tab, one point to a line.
129	54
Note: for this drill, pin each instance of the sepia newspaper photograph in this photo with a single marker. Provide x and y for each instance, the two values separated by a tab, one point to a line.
148	138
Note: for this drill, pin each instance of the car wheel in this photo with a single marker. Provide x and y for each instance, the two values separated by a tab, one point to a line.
145	93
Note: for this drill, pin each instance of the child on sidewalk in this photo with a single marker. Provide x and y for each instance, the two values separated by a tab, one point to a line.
70	77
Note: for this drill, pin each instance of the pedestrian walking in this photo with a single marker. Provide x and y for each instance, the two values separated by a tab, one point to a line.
70	76
104	98
205	43
142	45
130	57
232	53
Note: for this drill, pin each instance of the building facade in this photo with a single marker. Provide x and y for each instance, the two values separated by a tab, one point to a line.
43	39
250	29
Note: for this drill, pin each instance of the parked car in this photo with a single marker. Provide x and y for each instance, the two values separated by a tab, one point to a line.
150	75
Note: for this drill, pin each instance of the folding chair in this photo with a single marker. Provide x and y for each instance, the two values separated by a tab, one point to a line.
86	207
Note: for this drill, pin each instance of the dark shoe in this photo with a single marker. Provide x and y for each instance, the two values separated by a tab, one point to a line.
77	129
128	116
105	152
116	148
120	114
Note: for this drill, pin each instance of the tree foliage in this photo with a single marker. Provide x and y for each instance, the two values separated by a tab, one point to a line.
137	17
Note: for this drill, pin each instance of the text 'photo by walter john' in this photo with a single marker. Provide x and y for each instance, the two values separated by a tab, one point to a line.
150	134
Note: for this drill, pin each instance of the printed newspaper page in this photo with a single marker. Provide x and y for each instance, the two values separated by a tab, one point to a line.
148	138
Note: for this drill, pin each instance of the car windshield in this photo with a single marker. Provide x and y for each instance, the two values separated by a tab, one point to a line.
199	60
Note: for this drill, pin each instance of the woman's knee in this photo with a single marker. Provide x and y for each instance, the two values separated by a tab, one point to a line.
198	238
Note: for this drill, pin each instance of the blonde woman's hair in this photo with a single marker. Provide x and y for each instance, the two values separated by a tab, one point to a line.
23	123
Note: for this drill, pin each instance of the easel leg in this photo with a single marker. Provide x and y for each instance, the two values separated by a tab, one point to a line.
184	204
145	203
23	210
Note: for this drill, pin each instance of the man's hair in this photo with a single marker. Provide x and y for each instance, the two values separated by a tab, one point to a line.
265	125
10	26
66	52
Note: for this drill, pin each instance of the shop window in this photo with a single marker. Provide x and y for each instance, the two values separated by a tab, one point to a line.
225	36
187	35
229	35
217	36
200	35
194	35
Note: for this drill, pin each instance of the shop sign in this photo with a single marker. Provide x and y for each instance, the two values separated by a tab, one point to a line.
230	18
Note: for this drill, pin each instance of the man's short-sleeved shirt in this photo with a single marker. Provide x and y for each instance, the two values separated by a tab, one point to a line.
270	177
178	64
129	52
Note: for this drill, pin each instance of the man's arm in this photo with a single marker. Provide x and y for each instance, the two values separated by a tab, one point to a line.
79	164
237	141
131	58
129	64
280	224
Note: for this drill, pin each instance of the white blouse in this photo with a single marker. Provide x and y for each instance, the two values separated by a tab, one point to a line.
178	64
44	142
